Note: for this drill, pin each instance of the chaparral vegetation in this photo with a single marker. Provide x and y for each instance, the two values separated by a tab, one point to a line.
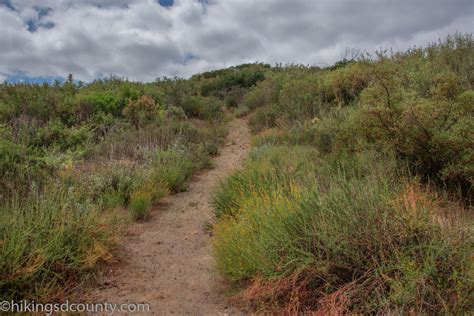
355	199
78	161
357	196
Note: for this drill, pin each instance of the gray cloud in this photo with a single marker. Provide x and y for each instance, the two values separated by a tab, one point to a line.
141	40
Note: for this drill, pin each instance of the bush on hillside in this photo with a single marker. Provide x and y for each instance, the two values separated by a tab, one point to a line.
141	111
264	117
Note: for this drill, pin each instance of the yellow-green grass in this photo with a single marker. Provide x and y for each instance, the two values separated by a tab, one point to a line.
298	230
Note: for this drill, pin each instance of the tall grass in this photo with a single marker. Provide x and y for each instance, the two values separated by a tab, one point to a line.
320	234
52	238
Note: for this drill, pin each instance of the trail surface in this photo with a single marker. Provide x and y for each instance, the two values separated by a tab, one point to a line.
167	260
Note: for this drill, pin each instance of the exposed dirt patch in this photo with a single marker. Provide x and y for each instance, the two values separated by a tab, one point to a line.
167	261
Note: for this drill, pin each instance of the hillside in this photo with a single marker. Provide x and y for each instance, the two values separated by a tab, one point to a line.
356	196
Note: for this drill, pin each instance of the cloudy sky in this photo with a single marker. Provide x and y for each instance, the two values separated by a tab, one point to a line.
144	39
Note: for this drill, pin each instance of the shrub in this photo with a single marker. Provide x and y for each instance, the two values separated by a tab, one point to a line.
232	78
299	97
241	111
100	101
445	86
172	168
264	117
212	110
203	108
140	204
113	199
348	82
21	167
234	97
192	106
141	111
254	99
38	102
156	190
61	137
261	173
433	135
175	112
112	183
7	112
270	137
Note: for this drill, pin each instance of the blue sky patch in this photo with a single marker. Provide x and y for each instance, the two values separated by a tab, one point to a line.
166	3
42	11
23	78
33	25
189	57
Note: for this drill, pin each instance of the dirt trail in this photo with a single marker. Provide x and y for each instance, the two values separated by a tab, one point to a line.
167	260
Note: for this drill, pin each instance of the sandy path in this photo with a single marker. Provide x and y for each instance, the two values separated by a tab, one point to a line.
167	260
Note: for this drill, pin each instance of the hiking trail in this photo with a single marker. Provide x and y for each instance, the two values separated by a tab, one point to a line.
167	261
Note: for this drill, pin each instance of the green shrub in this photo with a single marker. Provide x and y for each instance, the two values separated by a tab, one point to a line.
264	170
466	99
21	167
113	199
175	112
172	168
101	101
211	110
263	118
433	135
254	99
37	102
192	106
107	185
241	111
203	108
234	97
230	79
348	82
61	137
140	204
7	112
299	97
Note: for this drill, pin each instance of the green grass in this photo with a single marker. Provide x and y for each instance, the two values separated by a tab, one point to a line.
140	203
350	227
50	239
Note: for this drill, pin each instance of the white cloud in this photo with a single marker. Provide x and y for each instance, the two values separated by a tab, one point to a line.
141	40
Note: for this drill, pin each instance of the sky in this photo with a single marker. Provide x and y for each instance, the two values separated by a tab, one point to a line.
43	40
